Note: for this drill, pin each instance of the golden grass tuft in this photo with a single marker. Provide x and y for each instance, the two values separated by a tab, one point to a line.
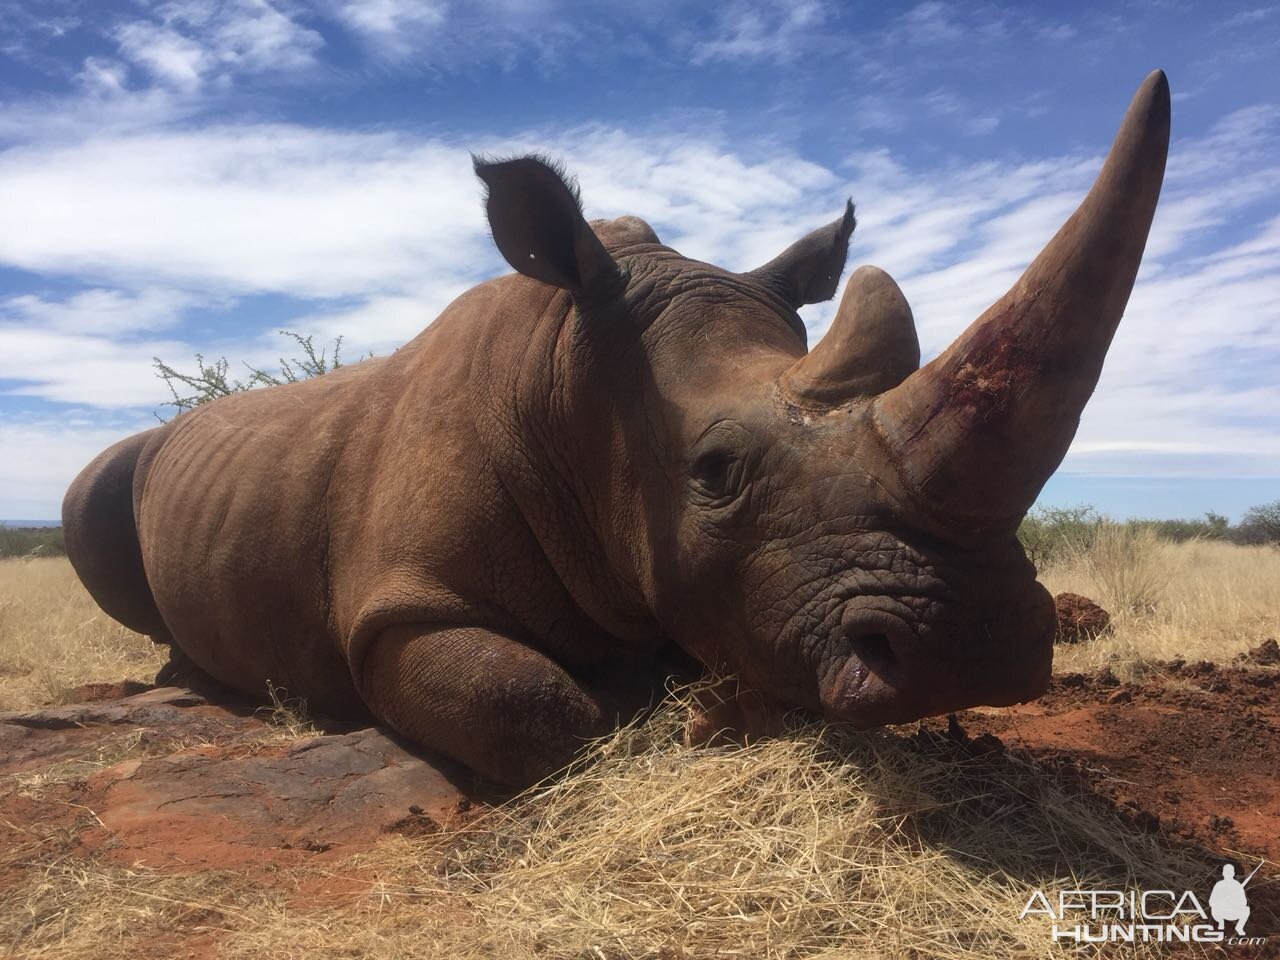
287	716
53	637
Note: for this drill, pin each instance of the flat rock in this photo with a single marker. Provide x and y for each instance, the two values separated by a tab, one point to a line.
318	794
156	705
202	783
153	721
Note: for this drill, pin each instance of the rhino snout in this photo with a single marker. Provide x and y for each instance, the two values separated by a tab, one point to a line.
893	673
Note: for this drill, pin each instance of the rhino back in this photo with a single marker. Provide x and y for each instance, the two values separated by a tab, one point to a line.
283	529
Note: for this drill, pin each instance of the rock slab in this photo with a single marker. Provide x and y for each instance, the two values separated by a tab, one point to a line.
199	784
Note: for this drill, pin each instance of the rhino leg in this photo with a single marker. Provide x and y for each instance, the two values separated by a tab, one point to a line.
506	711
725	712
182	671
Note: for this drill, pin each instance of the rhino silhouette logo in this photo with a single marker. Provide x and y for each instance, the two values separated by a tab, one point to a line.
1228	901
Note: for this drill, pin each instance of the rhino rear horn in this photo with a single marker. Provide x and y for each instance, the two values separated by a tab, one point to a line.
977	432
536	218
871	346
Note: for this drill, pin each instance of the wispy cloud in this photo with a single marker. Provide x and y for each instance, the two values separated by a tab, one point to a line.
1057	32
377	232
394	29
1248	18
98	310
188	44
926	23
761	31
947	103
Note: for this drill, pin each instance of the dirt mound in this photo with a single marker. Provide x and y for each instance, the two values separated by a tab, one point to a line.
1265	654
1079	618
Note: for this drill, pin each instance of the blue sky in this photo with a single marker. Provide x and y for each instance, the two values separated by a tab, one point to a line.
188	176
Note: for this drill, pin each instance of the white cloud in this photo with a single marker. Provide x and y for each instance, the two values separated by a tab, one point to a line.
761	31
372	234
259	208
168	55
167	66
95	371
946	103
1248	18
393	28
189	42
436	36
931	22
98	311
101	101
1057	32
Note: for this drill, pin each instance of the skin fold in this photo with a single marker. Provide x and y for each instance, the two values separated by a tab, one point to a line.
619	465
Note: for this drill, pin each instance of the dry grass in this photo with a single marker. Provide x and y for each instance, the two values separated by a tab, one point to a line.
823	843
76	908
1199	600
53	637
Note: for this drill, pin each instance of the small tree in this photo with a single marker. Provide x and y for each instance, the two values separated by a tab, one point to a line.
1261	524
1052	533
1218	525
213	380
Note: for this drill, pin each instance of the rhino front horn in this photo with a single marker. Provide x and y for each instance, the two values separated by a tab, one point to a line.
977	432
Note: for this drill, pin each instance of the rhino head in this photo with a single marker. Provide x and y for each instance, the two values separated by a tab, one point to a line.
836	527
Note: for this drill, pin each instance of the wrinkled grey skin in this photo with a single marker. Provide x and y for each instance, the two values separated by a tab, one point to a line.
783	548
499	539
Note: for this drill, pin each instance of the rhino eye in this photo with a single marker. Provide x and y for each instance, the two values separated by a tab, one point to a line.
714	472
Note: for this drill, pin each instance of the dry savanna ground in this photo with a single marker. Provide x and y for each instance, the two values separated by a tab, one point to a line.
821	843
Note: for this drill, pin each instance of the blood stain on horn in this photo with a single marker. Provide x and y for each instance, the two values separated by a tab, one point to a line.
1001	364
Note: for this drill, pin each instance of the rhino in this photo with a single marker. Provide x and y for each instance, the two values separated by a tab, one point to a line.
619	463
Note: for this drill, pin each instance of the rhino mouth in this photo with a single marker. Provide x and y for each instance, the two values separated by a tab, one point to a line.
889	675
871	687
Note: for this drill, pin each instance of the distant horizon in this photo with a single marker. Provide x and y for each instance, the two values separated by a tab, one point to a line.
1112	496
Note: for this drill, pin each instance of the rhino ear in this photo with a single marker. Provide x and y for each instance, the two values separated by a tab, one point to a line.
537	224
809	270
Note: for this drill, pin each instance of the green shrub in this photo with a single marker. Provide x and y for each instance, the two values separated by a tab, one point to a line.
1053	533
31	541
1214	526
1260	524
211	381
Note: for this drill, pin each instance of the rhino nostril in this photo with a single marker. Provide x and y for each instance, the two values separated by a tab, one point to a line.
875	650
